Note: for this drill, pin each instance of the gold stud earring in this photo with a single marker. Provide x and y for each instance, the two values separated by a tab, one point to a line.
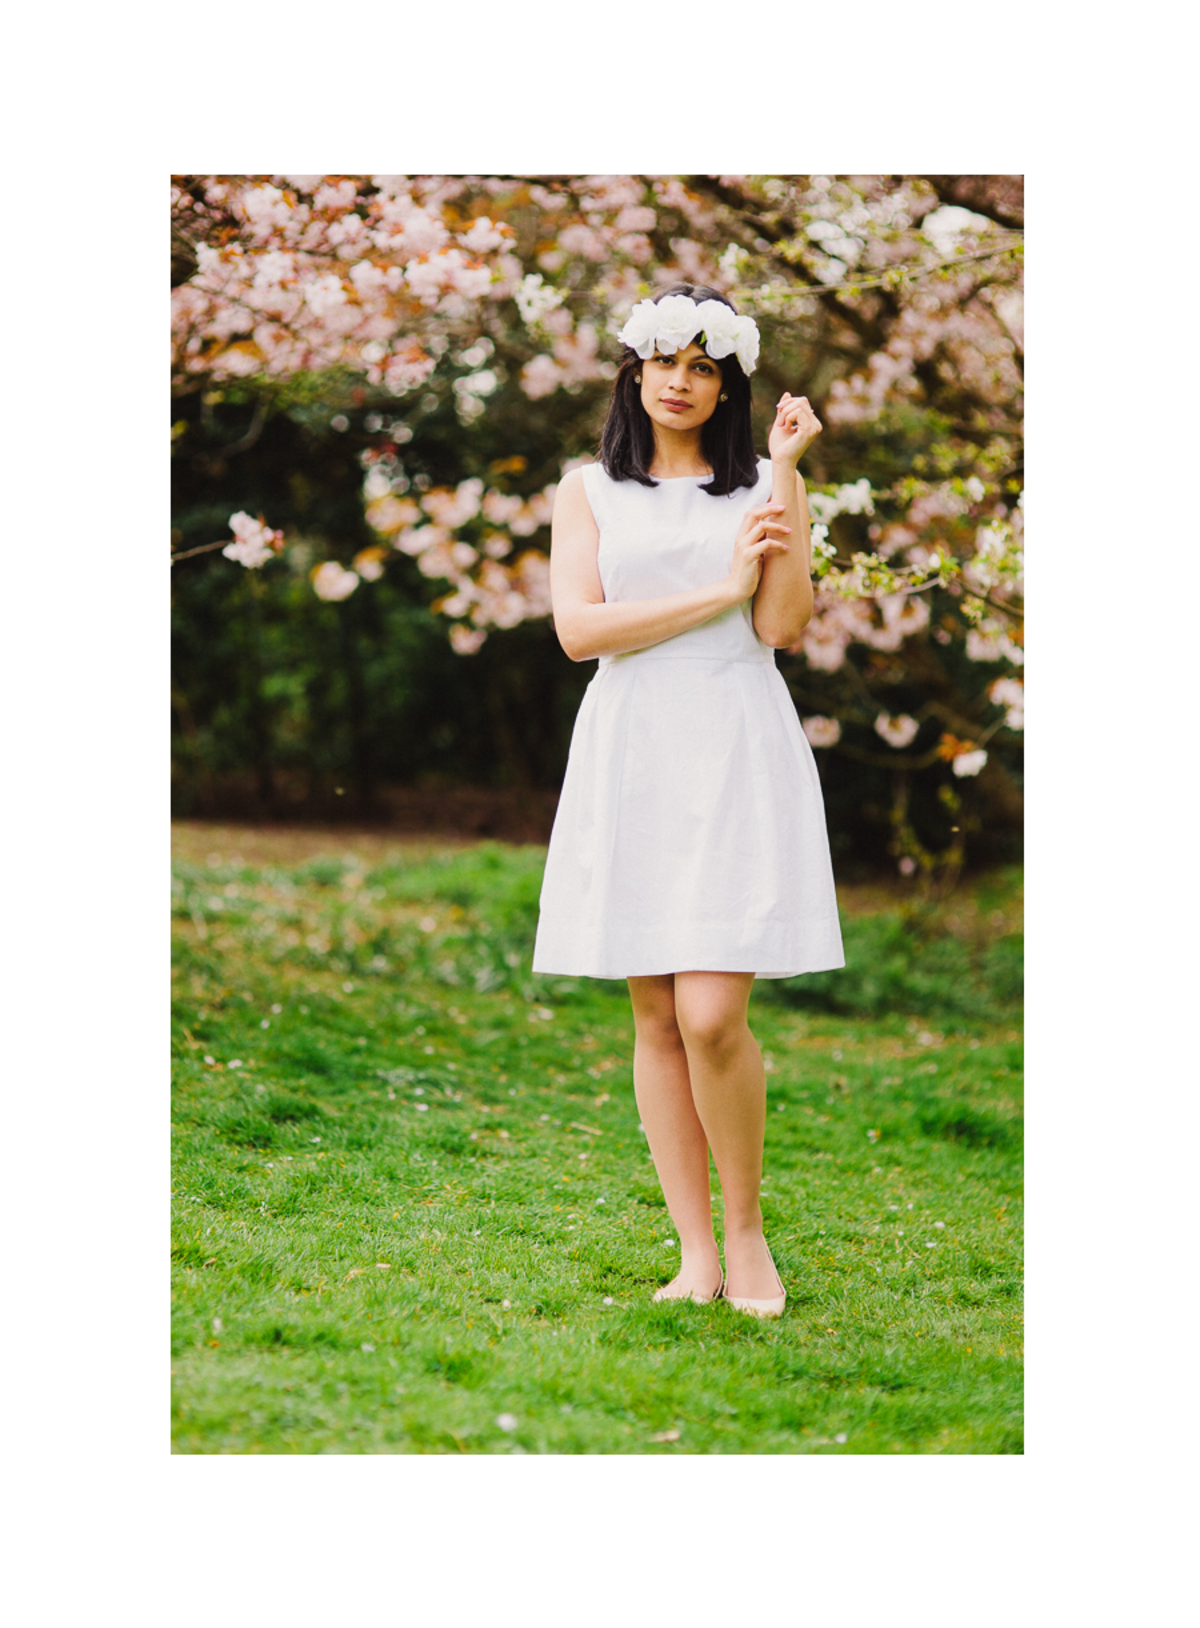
724	395
637	378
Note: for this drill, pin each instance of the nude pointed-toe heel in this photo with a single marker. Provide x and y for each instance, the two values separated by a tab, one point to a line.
761	1308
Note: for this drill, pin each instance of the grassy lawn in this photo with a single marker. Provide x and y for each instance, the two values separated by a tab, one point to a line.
414	1212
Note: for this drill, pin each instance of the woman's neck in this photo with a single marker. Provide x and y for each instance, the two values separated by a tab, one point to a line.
678	455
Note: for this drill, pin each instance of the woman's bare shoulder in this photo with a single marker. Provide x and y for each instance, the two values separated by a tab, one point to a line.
572	483
571	499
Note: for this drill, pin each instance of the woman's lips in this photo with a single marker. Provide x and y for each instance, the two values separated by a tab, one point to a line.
676	406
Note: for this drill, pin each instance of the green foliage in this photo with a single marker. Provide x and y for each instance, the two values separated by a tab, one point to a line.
897	963
279	698
409	1202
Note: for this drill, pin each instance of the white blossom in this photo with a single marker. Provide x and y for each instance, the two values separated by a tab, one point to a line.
1010	693
535	297
855	498
969	763
332	581
255	543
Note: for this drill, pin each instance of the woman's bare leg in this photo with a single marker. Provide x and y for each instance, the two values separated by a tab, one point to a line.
673	1130
728	1088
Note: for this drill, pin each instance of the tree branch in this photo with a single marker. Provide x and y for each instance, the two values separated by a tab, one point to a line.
205	548
906	274
252	434
1000	198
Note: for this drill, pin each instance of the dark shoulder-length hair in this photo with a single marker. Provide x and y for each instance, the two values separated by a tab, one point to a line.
627	441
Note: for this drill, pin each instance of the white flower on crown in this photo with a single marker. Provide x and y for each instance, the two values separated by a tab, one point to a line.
746	344
638	333
671	324
678	322
718	324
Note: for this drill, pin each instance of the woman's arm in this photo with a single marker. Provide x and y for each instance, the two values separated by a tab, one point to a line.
783	604
587	626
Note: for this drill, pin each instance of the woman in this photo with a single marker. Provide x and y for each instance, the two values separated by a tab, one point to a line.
689	851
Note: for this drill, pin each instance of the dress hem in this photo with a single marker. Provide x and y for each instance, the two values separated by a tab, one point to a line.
660	972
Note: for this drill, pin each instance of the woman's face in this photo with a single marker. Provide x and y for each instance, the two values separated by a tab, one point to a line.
680	392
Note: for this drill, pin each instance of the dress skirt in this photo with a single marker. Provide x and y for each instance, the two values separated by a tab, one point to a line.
690	833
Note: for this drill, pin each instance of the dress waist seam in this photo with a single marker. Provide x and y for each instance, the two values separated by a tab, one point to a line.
650	655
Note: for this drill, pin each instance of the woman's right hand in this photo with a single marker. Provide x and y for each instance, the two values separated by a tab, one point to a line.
755	539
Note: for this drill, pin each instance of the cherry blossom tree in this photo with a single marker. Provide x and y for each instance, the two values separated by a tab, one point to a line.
893	302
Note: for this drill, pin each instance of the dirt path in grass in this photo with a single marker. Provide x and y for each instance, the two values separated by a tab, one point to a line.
991	904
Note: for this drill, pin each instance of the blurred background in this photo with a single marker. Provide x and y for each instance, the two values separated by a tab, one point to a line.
378	381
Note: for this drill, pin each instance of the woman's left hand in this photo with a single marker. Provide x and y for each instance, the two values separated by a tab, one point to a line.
795	429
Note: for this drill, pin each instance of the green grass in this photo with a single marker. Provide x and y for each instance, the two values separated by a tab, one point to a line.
420	1201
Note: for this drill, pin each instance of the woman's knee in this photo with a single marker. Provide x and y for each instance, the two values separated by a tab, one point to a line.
654	1017
711	1010
711	1028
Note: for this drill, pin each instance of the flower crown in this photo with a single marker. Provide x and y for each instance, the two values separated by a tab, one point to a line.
673	322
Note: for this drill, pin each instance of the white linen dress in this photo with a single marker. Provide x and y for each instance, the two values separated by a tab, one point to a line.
690	832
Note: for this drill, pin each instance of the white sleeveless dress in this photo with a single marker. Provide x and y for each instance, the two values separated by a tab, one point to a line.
690	832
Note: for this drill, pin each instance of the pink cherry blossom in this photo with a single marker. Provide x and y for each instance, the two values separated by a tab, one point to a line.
387	514
465	641
383	275
822	731
454	508
333	582
369	564
899	731
540	377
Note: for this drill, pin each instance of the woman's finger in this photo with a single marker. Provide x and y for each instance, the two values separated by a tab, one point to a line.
766	514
